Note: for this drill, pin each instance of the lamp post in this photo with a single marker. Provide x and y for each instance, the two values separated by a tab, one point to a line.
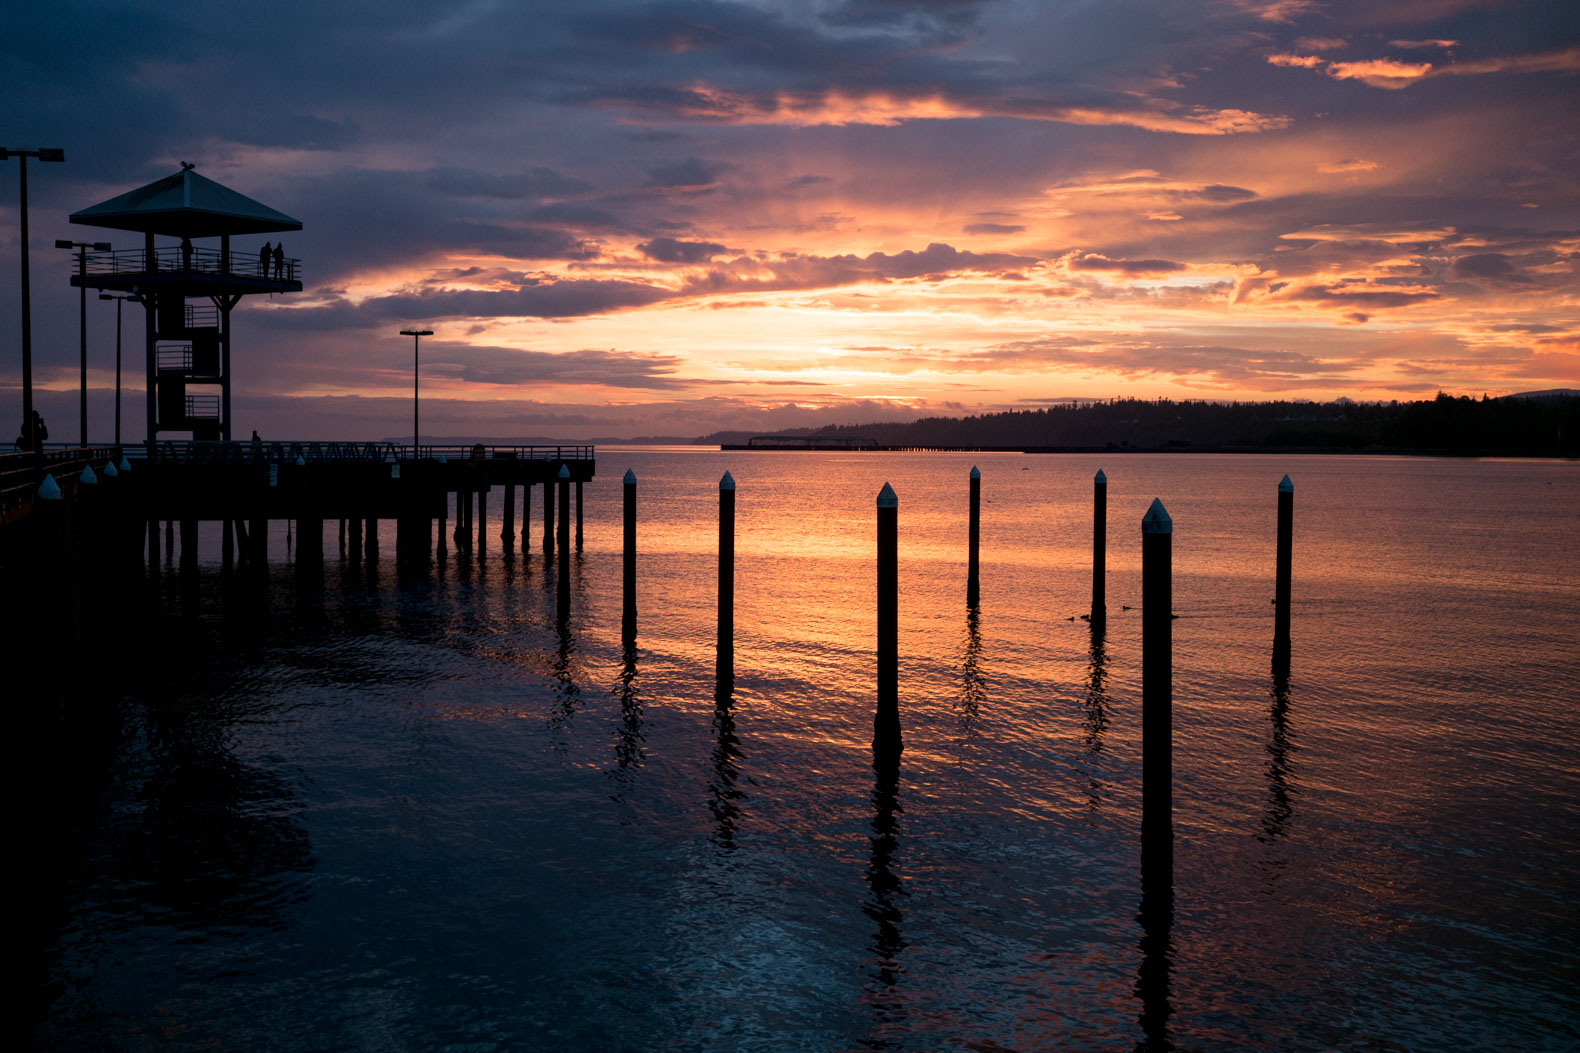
43	154
82	248
416	339
118	301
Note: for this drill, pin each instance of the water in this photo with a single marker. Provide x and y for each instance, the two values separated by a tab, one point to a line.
427	816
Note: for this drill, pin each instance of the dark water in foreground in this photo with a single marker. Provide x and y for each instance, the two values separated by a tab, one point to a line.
425	816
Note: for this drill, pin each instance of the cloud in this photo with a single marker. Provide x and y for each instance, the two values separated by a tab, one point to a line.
1349	164
537	182
1417	44
564	298
1380	73
1493	266
993	228
1092	261
1296	61
671	250
692	174
795	271
1276	10
511	366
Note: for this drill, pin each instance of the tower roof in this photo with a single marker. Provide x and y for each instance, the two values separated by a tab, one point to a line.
185	205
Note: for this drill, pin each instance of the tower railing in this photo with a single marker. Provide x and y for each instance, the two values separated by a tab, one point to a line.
173	259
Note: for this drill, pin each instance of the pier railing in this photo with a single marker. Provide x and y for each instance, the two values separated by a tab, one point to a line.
265	452
21	471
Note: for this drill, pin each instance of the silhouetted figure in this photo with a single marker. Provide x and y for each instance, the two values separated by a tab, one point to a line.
255	437
40	433
279	261
263	261
186	254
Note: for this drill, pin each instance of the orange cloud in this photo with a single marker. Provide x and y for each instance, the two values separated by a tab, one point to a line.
705	102
1296	61
1380	73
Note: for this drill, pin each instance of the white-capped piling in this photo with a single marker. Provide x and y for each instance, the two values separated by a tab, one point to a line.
974	543
1099	548
886	723
1282	574
726	565
628	561
1157	690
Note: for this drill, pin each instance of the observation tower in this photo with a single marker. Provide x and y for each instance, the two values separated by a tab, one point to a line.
188	290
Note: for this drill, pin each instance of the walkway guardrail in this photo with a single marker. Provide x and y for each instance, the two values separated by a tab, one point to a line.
175	451
172	259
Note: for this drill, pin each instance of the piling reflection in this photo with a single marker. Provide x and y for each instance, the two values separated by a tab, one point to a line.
725	796
886	890
1095	702
1157	952
973	685
629	752
1280	791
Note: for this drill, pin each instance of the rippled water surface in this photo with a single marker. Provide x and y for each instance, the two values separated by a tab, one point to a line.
428	815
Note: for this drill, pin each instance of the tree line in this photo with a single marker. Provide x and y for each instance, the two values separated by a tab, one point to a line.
1532	426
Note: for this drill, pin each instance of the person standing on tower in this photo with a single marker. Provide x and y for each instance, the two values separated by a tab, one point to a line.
263	261
279	261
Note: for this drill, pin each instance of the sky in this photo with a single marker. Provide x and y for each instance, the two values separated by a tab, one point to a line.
668	218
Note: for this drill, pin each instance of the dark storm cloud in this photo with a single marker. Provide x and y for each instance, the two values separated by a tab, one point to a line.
671	250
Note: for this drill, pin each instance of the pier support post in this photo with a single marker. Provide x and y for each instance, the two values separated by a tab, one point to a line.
628	561
526	518
309	546
973	559
1157	693
507	533
482	517
189	531
1286	536
227	547
258	544
373	540
563	584
1099	548
564	538
886	740
578	515
727	571
548	514
153	545
442	541
356	539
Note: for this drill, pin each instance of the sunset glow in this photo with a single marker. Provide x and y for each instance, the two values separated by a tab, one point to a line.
667	219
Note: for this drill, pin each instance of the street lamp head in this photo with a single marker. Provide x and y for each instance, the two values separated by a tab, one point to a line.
101	246
51	154
416	332
64	244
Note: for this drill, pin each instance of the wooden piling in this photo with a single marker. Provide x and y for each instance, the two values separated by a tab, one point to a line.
1281	610
973	560
227	547
1157	691
356	539
548	515
372	541
507	531
886	724
482	518
578	515
1099	548
727	565
564	539
189	530
526	519
258	542
628	618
